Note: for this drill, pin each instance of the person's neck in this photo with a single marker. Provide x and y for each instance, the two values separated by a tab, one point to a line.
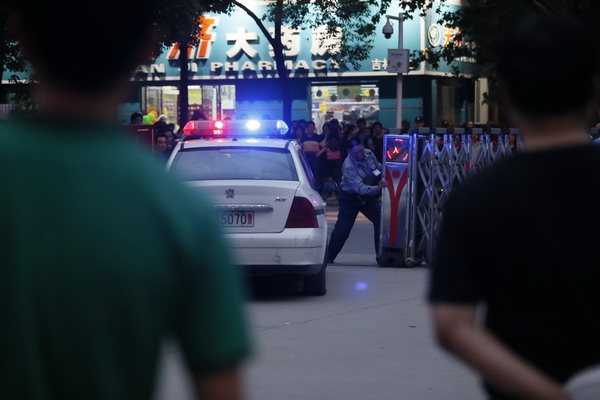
562	130
55	101
546	137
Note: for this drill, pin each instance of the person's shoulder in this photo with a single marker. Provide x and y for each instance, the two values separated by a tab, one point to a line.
491	179
370	154
348	163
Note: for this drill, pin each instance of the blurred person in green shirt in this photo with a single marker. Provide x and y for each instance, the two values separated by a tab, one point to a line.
97	267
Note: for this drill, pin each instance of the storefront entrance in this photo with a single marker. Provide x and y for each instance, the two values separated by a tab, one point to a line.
344	102
214	101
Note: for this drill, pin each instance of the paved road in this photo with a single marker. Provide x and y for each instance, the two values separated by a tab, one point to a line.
368	338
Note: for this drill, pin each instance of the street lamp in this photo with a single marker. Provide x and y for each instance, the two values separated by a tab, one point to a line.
397	60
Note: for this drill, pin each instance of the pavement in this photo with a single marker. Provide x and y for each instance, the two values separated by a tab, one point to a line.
369	338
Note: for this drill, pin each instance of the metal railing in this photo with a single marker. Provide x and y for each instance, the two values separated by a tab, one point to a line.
440	160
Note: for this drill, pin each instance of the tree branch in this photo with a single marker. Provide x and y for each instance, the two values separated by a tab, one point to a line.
258	21
542	5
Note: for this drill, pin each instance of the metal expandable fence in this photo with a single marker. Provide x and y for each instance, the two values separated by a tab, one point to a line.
418	185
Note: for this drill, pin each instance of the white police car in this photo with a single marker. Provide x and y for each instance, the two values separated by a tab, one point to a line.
264	192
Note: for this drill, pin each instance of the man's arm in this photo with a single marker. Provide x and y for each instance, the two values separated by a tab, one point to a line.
223	385
457	331
354	182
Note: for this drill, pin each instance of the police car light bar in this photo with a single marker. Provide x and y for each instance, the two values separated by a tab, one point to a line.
250	128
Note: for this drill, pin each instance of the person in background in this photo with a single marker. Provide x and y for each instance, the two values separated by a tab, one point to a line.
298	134
419	123
331	165
476	148
167	131
325	130
405	126
349	132
104	255
293	127
362	132
377	141
161	150
512	143
136	119
440	138
539	322
198	116
310	147
335	123
302	123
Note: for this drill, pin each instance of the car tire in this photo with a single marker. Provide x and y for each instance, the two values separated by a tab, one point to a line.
316	285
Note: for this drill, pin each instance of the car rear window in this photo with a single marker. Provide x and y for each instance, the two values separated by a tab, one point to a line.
219	163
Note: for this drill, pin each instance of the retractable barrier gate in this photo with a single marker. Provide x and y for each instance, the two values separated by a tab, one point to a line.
395	200
421	168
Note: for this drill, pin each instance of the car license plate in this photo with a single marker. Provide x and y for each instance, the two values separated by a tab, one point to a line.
235	219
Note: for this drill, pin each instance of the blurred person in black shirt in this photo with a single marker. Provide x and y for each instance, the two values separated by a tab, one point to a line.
540	288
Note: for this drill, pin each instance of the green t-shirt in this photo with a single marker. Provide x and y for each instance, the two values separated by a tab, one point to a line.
103	255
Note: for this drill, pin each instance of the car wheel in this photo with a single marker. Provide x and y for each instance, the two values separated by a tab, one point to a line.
316	285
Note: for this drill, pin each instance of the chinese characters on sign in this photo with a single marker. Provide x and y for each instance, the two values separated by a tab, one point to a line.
290	38
379	65
445	36
324	42
242	43
241	39
206	36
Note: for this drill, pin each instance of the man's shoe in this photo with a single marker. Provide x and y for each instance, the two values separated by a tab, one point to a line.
330	260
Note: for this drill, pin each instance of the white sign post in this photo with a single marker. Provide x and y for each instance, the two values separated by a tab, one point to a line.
398	61
398	64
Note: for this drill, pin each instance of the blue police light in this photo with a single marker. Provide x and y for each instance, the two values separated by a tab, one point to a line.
253	125
282	127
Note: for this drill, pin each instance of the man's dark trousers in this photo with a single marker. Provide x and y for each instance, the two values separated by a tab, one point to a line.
350	204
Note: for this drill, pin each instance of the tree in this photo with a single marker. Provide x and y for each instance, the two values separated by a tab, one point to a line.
481	25
179	23
351	23
10	56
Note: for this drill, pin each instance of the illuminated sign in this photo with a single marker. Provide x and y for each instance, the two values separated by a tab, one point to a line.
397	150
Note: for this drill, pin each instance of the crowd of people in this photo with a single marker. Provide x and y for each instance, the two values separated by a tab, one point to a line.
165	133
326	150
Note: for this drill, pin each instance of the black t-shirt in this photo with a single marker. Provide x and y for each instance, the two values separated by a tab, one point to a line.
523	237
310	144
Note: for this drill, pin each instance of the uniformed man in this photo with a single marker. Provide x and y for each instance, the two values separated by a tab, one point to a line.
360	192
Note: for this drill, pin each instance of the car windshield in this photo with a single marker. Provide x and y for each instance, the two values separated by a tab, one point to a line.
221	163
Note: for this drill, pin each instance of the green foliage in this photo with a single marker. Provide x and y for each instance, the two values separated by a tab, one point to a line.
10	56
356	19
483	23
178	19
22	95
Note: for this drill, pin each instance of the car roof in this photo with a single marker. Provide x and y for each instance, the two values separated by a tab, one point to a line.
237	142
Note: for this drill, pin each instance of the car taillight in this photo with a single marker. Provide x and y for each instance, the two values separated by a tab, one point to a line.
302	214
